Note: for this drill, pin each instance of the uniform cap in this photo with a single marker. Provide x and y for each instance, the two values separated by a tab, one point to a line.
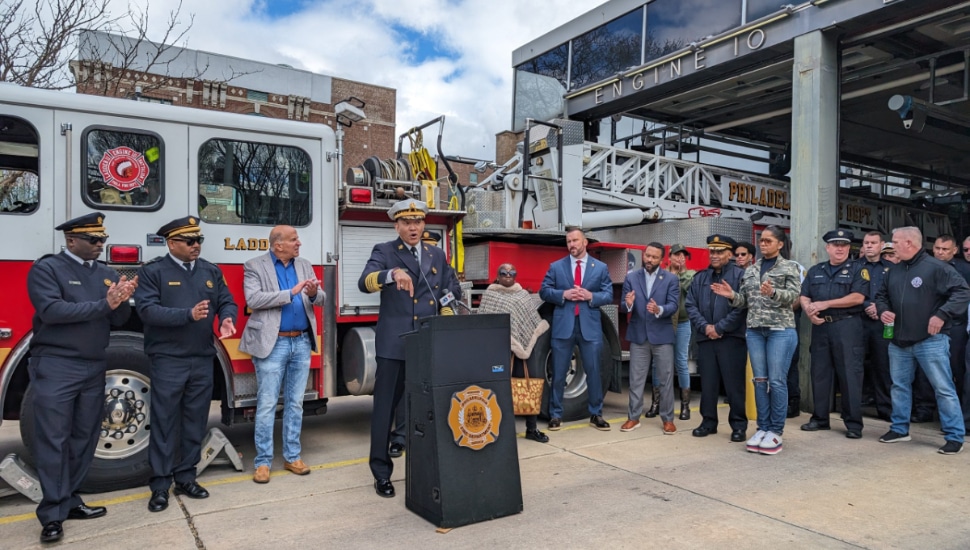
677	247
837	236
88	224
408	208
720	242
182	227
431	237
887	247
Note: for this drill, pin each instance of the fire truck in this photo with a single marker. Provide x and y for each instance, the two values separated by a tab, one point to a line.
142	164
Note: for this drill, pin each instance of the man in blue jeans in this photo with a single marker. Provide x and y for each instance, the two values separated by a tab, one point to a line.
281	289
920	297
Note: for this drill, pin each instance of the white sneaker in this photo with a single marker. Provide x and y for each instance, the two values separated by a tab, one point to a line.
753	444
771	444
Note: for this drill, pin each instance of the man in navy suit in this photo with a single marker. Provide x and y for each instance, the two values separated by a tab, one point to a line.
651	295
412	278
577	285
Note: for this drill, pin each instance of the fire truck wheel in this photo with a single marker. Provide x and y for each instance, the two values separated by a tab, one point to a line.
121	455
574	398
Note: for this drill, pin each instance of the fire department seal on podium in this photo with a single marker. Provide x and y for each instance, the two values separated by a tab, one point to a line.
474	417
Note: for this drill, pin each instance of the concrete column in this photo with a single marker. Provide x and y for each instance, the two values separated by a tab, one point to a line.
815	163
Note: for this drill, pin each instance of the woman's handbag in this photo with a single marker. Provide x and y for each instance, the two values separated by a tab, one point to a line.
526	393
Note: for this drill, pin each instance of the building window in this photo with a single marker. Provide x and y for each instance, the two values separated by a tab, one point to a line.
253	95
607	50
122	169
554	64
673	24
146	99
19	181
243	182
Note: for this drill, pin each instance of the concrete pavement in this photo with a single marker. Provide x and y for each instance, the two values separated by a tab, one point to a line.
584	489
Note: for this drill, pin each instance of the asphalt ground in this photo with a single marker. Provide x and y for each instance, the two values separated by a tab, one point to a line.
584	489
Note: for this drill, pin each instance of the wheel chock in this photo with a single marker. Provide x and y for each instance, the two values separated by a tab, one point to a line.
20	477
214	444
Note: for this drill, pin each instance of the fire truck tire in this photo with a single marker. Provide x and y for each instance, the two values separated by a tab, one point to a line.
119	462
575	395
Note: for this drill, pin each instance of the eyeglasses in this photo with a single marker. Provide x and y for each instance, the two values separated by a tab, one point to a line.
768	241
191	241
503	273
742	254
92	239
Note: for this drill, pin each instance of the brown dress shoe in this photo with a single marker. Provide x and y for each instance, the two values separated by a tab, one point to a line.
630	425
669	428
297	467
261	475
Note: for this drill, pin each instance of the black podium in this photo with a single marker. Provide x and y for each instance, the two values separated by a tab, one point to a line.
462	459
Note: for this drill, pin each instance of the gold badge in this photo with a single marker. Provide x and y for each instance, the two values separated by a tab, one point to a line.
209	284
107	282
100	220
174	283
864	273
474	418
434	270
192	221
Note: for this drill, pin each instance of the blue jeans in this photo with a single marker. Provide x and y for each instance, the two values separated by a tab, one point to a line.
681	346
562	353
770	352
288	365
933	356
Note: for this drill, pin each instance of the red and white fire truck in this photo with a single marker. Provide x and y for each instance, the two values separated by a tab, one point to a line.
63	155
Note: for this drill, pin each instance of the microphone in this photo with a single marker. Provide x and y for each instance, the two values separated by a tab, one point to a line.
449	299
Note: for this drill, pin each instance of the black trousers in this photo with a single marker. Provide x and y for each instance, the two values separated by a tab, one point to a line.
388	389
68	406
837	350
723	359
794	389
399	431
877	366
181	395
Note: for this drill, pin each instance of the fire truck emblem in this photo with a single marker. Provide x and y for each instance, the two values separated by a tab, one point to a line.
474	417
123	168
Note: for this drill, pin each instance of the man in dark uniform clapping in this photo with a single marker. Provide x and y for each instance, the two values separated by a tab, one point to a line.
178	300
76	301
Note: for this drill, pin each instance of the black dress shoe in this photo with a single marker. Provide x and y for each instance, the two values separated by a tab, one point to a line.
738	436
52	532
396	450
536	435
158	502
555	424
384	487
853	434
703	431
83	511
597	422
191	489
814	426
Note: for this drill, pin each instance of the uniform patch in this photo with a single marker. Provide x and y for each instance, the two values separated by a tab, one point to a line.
78	283
174	283
209	284
916	282
864	273
107	282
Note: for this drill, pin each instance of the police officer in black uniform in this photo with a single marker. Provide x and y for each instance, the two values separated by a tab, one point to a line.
76	301
877	347
832	297
178	299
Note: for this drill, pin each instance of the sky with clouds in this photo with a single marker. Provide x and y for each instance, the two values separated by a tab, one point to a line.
450	57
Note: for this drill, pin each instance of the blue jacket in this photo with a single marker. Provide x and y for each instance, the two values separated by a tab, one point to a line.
706	308
558	279
400	312
645	326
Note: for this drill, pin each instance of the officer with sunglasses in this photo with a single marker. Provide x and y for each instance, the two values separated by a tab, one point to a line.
178	299
76	301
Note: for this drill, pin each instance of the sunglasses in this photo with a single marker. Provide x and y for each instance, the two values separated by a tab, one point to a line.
92	239
192	241
966	249
503	273
742	254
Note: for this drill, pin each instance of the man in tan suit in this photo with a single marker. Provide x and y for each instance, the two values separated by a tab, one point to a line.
281	290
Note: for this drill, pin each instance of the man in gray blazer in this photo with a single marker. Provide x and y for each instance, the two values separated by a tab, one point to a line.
281	290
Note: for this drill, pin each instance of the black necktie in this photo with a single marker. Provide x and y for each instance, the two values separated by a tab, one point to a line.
414	252
187	266
89	264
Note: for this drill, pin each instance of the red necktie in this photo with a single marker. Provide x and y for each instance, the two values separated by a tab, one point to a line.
578	278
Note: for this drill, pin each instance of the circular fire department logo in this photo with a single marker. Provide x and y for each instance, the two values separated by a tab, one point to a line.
916	282
123	168
474	417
